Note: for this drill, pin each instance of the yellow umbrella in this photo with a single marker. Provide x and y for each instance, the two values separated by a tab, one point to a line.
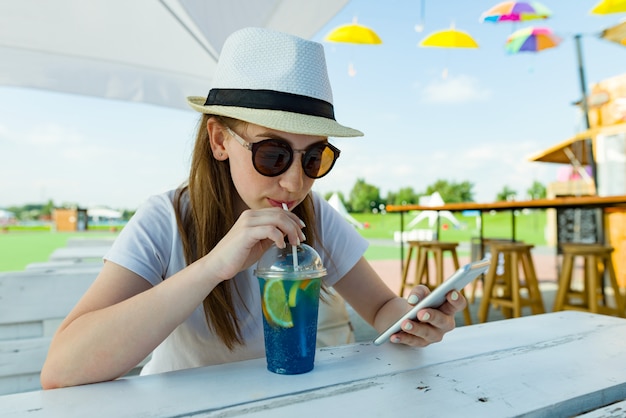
606	7
353	34
449	38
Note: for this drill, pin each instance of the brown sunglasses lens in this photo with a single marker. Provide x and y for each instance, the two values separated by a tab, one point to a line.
273	157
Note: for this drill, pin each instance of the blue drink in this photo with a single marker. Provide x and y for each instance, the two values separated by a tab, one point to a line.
290	300
290	323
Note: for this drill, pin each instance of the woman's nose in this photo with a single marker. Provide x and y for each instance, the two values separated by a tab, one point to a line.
293	179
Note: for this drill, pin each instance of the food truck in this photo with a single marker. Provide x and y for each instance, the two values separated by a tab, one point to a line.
596	162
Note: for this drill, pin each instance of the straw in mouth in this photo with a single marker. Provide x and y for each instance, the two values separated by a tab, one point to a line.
294	249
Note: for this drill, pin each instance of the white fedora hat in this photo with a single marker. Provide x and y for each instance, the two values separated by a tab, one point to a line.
275	80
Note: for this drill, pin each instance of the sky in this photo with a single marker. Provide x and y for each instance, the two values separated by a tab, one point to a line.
428	114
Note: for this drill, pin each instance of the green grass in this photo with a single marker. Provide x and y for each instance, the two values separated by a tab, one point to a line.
21	246
529	227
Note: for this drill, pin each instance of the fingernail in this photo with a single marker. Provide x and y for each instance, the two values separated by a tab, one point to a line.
455	295
297	241
303	237
408	326
413	299
302	223
395	339
426	317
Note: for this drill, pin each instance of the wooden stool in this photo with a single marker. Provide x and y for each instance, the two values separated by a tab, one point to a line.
438	249
591	298
416	246
485	243
504	290
422	274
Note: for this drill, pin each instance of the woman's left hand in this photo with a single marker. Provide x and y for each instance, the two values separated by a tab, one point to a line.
432	323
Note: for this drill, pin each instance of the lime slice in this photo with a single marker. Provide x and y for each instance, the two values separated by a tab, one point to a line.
306	285
293	295
275	307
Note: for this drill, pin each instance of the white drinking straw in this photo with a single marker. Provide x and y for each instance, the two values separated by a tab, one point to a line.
294	249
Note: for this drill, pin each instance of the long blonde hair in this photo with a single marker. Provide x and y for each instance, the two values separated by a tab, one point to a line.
204	208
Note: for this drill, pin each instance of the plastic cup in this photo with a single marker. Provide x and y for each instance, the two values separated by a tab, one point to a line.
290	302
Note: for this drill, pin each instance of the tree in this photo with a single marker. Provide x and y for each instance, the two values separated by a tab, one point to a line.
405	195
506	194
536	191
452	192
27	212
48	208
127	214
364	197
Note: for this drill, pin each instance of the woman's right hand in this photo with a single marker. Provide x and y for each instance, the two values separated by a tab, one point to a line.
251	235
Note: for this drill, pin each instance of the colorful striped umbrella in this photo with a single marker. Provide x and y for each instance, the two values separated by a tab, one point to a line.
531	39
516	11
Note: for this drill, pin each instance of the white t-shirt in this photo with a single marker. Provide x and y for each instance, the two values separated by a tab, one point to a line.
150	246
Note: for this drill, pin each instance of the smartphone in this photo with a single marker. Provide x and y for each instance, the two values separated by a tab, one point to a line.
437	297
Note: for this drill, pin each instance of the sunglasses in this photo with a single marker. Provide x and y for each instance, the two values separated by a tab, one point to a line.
272	157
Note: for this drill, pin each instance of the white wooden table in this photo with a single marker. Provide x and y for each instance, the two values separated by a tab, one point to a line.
551	365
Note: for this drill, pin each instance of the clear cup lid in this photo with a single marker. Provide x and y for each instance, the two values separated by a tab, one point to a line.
277	263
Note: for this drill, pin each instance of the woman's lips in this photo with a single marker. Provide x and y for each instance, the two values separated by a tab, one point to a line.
279	203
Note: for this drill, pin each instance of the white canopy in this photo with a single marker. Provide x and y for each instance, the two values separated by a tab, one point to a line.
433	200
151	51
337	204
105	213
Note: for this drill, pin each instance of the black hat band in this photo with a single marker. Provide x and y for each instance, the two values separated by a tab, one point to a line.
271	100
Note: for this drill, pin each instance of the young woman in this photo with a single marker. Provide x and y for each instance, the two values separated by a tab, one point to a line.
179	282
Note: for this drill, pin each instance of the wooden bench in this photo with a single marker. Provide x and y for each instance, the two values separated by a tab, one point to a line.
79	253
51	266
89	242
32	305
